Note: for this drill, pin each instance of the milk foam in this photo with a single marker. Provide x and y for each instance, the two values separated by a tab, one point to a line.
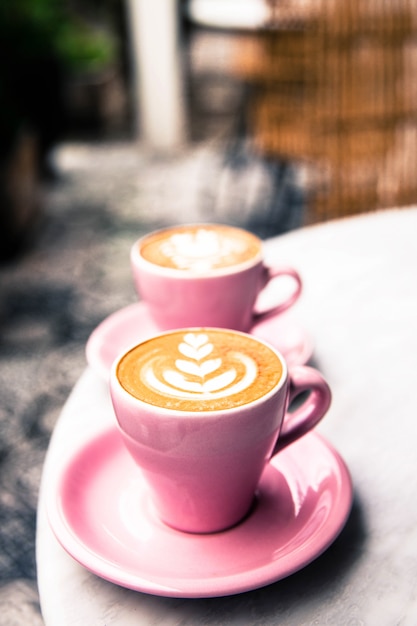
199	376
200	370
200	249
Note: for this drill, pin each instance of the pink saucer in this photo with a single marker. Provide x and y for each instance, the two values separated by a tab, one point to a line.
133	324
100	511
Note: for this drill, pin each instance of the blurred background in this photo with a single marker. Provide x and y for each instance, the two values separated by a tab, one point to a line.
311	99
120	116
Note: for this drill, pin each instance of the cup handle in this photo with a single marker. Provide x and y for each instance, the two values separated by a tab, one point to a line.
298	422
271	273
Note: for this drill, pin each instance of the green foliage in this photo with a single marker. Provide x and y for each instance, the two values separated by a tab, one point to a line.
84	48
39	41
36	28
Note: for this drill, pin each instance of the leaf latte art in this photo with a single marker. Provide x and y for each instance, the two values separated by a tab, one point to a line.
200	249
199	374
200	370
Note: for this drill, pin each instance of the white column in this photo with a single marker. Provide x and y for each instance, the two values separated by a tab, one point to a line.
157	73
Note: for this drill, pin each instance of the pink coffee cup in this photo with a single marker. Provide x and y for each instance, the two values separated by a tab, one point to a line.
207	275
202	411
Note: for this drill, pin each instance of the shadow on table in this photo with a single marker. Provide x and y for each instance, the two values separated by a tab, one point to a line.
319	578
310	587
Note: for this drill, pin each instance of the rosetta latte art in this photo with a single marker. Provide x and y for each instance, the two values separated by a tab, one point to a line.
201	250
197	373
204	369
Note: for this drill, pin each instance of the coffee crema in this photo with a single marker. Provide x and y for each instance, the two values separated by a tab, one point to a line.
200	248
200	370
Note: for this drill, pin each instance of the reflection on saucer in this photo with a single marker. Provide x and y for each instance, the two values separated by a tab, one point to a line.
100	512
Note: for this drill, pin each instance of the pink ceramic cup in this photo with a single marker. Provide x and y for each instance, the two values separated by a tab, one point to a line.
199	283
203	462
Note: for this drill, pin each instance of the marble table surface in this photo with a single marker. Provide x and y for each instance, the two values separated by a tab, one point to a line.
360	306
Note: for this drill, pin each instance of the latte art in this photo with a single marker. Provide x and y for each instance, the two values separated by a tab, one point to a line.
200	370
198	375
200	249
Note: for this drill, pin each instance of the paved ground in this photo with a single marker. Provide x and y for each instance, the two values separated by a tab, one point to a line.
74	274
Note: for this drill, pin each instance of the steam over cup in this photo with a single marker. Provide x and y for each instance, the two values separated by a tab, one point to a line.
224	297
202	466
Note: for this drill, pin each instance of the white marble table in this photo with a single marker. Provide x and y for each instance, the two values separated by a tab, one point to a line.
360	305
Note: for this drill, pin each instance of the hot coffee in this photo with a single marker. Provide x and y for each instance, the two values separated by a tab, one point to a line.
200	370
201	411
200	248
207	275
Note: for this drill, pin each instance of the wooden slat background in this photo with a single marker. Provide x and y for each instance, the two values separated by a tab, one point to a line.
335	86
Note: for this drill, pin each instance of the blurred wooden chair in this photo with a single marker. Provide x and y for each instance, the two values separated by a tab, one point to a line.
334	87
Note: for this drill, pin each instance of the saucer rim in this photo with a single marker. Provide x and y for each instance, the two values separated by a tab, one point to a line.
113	320
182	587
